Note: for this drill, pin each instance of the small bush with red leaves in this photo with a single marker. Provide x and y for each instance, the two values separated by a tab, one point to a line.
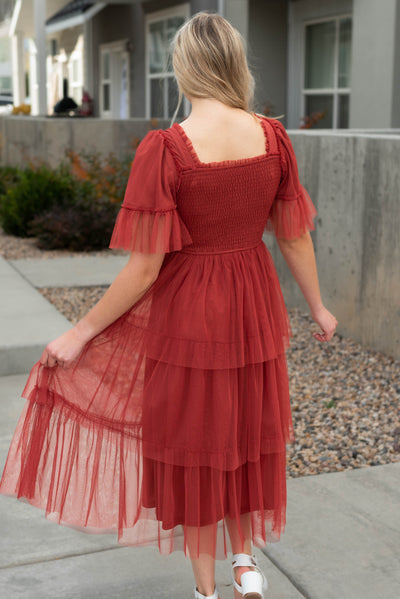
73	206
86	225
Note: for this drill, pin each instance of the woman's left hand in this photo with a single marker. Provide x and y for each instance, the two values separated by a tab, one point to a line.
63	350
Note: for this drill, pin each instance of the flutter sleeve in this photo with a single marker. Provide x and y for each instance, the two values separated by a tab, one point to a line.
148	220
292	211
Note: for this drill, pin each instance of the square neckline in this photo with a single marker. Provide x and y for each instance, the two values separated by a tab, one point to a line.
232	162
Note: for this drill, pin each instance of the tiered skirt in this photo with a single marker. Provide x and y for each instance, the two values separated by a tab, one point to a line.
170	428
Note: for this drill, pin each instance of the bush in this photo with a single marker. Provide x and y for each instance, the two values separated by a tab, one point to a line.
71	207
85	225
35	191
9	175
108	174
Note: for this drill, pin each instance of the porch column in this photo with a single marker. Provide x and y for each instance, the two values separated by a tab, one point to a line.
39	18
33	88
17	60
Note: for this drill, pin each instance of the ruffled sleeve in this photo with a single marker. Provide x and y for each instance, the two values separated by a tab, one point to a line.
148	220
292	211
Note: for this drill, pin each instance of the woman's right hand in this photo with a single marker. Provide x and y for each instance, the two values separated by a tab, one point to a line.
326	321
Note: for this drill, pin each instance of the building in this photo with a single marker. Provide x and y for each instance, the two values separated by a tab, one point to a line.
332	63
5	54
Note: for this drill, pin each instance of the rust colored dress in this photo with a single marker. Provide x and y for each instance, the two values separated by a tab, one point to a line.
177	415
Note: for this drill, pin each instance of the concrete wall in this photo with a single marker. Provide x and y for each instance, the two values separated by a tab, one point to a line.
24	137
354	181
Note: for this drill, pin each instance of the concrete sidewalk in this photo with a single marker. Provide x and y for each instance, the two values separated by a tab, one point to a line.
27	320
342	540
78	271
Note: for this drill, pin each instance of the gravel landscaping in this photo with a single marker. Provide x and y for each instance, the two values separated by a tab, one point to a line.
16	248
345	397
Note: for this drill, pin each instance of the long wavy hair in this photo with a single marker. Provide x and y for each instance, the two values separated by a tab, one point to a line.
209	61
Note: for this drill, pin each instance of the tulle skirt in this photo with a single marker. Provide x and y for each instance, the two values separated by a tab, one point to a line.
170	428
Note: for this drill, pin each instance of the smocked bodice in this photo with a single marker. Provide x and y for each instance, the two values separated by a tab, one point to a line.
224	205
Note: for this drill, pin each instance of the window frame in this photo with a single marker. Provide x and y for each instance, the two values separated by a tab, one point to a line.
6	70
334	91
180	10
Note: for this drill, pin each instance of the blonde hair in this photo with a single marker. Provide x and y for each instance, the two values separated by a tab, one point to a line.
209	61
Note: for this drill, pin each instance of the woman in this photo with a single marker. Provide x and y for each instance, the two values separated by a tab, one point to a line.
164	413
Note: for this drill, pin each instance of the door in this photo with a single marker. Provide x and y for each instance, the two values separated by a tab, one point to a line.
114	81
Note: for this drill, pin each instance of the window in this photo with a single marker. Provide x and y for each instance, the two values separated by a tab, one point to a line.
5	50
326	91
5	85
161	88
5	67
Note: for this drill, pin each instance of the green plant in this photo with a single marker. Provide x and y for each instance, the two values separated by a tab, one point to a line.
36	190
108	174
9	175
85	225
330	404
73	206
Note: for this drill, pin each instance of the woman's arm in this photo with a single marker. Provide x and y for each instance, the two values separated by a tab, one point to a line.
300	257
127	288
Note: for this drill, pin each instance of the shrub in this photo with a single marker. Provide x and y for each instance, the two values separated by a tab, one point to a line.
71	207
85	225
36	191
9	175
108	174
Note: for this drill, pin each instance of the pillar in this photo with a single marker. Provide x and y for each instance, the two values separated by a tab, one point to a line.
39	18
18	72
